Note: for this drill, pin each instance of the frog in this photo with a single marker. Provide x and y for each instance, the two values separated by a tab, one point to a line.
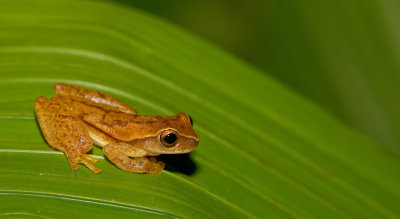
76	118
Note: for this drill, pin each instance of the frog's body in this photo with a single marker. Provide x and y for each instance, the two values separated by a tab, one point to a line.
75	118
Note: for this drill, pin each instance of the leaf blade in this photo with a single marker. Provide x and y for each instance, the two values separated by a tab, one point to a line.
287	157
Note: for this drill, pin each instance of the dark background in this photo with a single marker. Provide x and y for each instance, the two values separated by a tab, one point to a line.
342	54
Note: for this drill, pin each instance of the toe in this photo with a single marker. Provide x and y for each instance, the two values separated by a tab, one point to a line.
87	162
90	158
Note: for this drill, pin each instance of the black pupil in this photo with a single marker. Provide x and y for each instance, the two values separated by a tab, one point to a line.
191	120
170	138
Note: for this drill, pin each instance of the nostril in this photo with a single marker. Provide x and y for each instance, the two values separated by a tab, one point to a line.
191	120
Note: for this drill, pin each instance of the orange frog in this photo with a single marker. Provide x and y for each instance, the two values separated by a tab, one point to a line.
76	118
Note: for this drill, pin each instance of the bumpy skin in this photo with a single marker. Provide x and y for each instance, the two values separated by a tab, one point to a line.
65	132
76	118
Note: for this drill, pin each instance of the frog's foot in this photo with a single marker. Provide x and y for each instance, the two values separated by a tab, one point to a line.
85	160
125	160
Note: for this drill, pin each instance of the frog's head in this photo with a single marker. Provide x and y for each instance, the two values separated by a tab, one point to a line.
175	136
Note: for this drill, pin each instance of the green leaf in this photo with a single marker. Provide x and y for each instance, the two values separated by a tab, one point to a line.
264	151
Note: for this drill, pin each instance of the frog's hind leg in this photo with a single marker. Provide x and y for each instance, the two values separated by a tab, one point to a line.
92	97
65	132
83	159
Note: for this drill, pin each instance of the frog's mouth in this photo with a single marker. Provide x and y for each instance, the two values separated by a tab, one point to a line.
184	145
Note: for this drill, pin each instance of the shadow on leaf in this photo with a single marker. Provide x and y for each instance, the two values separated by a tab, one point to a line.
179	163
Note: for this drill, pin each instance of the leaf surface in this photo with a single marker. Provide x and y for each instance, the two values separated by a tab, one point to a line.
264	151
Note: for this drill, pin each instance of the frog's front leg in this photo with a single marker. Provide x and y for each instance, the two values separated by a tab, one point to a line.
65	132
132	159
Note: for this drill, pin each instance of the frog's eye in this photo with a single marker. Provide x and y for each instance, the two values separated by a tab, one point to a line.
169	138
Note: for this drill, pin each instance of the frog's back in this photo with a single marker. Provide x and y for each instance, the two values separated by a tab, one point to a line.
92	98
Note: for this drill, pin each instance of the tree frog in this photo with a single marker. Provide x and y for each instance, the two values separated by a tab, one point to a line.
76	118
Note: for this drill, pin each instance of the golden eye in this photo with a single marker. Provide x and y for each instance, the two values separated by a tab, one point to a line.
169	138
